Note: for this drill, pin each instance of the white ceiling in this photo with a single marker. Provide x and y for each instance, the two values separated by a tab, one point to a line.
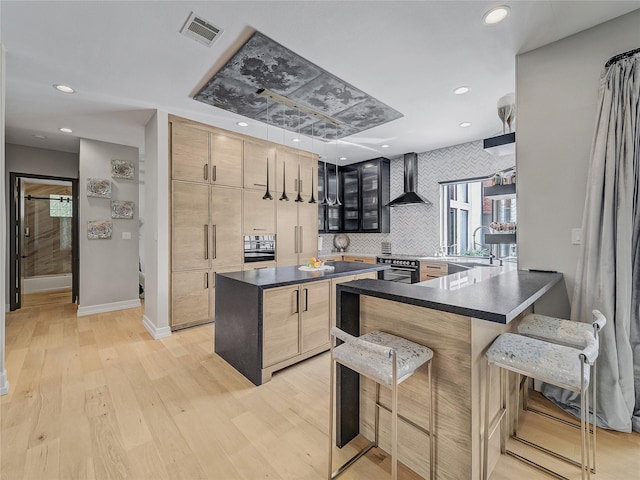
127	58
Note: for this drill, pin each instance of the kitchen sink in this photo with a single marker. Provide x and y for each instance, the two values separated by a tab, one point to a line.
457	267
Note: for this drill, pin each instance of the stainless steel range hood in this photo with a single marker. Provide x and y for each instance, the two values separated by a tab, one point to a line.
410	195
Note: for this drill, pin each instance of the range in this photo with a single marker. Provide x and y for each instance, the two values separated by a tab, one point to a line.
404	268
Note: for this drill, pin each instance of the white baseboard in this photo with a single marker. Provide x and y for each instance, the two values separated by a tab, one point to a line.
156	333
46	283
107	307
4	383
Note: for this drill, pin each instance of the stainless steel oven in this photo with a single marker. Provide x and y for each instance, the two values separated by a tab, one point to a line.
259	248
403	269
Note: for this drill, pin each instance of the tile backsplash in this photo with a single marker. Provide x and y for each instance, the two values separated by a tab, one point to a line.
415	229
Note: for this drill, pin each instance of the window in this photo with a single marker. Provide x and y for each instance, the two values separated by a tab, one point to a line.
466	216
62	206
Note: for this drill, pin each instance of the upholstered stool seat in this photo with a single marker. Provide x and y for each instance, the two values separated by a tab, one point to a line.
388	360
572	334
556	364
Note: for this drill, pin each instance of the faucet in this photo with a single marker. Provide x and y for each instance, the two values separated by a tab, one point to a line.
476	231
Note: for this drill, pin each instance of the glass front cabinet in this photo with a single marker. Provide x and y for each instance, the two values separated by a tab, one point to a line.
364	194
329	216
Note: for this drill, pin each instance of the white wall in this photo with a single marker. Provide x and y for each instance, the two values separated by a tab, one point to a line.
41	161
4	383
156	237
557	93
108	268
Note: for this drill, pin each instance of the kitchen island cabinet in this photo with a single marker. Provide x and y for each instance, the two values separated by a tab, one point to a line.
271	318
458	319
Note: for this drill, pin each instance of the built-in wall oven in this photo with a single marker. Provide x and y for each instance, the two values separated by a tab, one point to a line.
403	269
259	248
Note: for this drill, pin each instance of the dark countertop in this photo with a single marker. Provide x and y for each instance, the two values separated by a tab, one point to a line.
500	298
281	276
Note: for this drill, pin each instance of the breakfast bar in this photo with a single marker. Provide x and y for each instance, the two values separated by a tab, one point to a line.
458	317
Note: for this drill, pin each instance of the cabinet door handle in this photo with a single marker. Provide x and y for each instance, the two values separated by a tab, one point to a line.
214	176
259	229
297	301
259	184
295	239
206	242
206	171
215	242
306	299
206	280
300	238
300	185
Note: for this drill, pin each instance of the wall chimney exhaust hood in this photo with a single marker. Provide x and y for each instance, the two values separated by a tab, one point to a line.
410	195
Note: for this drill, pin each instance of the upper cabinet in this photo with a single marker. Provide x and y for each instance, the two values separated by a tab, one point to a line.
295	172
205	156
259	158
365	194
329	216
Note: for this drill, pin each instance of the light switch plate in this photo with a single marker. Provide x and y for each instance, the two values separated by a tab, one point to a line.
576	236
126	235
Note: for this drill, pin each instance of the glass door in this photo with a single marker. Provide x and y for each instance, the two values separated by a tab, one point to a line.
370	195
351	192
321	208
333	212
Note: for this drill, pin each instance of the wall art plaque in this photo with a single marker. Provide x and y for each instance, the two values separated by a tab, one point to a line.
122	169
99	229
98	187
121	209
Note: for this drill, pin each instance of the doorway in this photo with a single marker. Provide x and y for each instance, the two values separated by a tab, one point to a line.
43	240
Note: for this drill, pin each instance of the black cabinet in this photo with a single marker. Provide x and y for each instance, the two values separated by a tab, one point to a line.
329	216
365	194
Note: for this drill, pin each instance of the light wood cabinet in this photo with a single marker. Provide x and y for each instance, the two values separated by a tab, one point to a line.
226	160
190	297
430	270
295	320
314	315
255	156
258	265
258	214
287	242
189	153
281	324
205	156
358	259
288	161
190	226
226	227
307	231
333	296
193	296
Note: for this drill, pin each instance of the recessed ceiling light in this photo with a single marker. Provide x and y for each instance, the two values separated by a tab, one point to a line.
343	158
242	124
65	130
496	15
465	124
296	140
461	90
384	146
64	88
39	137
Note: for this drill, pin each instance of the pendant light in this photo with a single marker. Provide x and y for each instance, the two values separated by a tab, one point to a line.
283	197
325	200
337	202
299	197
267	194
313	198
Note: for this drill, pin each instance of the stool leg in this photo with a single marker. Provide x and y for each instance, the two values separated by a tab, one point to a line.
331	401
376	421
504	402
485	446
517	412
594	386
583	404
394	420
432	442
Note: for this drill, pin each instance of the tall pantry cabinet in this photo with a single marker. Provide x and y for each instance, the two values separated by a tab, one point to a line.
206	216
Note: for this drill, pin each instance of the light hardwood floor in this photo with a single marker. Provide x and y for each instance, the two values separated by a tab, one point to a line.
46	298
96	397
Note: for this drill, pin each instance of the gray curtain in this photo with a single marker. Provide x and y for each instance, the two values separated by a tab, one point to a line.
608	274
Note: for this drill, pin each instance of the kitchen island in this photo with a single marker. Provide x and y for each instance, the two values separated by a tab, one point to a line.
458	317
270	318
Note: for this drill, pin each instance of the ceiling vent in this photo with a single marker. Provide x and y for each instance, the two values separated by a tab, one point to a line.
200	30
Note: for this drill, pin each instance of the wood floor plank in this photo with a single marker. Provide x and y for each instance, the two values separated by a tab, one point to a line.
97	398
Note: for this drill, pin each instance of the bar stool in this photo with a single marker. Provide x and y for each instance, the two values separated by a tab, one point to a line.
558	365
388	360
571	334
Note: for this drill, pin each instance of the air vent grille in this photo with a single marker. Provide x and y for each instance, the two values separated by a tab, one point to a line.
200	30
